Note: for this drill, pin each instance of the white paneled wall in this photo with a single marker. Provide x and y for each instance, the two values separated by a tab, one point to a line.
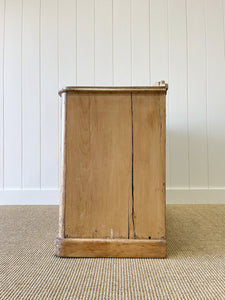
48	44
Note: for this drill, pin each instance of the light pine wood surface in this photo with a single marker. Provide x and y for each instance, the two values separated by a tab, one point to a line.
110	248
113	172
149	165
98	165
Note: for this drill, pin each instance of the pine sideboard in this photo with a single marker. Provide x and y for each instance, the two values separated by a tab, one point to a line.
112	177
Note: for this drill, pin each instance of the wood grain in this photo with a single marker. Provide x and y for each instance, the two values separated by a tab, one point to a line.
112	188
160	86
62	187
98	173
148	166
110	248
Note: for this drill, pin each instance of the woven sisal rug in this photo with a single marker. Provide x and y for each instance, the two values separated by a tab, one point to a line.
194	268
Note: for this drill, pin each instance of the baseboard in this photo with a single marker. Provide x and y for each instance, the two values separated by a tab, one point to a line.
51	196
29	197
196	196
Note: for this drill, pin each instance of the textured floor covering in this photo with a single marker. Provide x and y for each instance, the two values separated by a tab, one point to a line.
194	269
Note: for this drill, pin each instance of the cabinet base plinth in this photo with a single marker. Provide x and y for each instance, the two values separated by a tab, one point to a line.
74	247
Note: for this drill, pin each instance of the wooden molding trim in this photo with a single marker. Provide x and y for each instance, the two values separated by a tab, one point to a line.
71	247
62	187
159	87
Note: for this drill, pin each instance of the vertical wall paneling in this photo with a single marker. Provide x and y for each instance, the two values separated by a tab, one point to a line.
178	94
159	40
223	6
122	42
30	95
85	42
47	44
215	92
197	95
67	42
67	48
49	88
103	42
12	94
159	62
140	42
2	30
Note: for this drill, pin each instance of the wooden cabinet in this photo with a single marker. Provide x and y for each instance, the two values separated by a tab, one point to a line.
112	189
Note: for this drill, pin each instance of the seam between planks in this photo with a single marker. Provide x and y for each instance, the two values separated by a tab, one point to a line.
132	139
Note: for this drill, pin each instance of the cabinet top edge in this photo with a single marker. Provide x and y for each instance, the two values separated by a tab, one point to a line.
155	88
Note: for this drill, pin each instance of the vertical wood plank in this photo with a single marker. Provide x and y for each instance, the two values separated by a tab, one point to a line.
148	165
12	94
49	87
178	106
140	42
62	183
215	92
85	42
67	42
2	34
98	160
103	43
122	42
197	96
31	95
159	61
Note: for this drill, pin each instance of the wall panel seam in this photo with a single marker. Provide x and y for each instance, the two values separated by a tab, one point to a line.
76	41
223	27
112	44
21	93
94	50
168	95
149	38
131	41
187	80
40	86
58	80
3	101
206	91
